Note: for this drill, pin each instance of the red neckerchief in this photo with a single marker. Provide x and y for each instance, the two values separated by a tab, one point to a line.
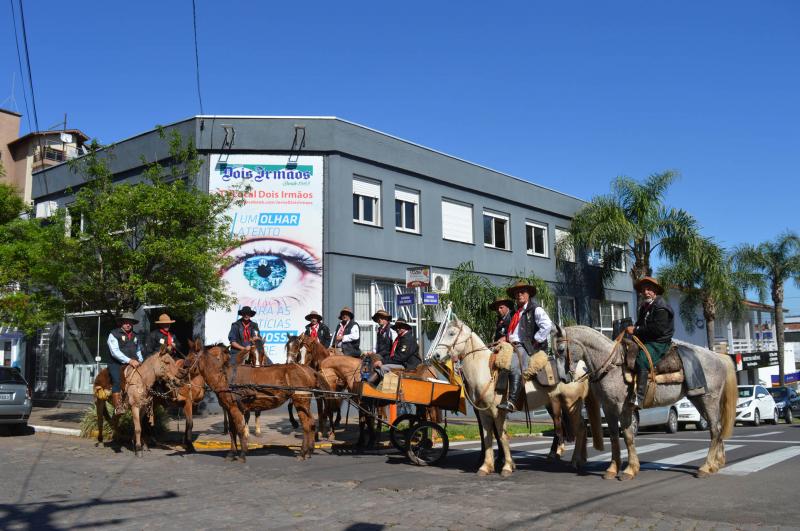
394	345
129	334
314	331
341	328
246	334
514	321
165	332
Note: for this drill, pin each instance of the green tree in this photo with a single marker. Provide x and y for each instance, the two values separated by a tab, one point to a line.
774	262
634	222
471	293
122	245
707	280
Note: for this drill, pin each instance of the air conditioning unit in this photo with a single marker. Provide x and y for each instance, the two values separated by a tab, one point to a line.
440	282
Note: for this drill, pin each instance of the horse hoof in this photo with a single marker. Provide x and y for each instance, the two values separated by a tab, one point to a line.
505	473
626	477
610	475
483	472
230	457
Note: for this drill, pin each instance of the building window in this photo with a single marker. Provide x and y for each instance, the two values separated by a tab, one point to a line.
536	239
366	201
406	210
595	258
456	221
604	313
372	294
495	231
569	253
6	353
565	311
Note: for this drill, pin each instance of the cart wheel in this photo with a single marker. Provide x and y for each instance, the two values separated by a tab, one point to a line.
427	443
398	432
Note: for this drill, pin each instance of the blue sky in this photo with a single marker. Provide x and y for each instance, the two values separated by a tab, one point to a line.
565	94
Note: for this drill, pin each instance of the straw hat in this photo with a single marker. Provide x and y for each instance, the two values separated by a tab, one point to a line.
641	283
315	314
347	311
521	285
501	301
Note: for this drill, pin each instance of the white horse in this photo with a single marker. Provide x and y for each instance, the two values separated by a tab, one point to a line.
461	344
604	360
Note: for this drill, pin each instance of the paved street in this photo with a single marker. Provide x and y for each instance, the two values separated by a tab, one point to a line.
58	482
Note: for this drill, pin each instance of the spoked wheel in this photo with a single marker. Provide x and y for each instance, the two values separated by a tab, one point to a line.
427	444
398	432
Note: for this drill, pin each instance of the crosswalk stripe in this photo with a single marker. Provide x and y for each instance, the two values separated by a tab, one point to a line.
760	462
762	434
639	451
680	459
478	448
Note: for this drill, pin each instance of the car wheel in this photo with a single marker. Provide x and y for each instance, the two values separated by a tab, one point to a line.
17	429
756	418
774	416
672	421
788	417
701	424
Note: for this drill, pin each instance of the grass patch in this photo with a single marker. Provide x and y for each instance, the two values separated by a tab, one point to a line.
460	432
125	428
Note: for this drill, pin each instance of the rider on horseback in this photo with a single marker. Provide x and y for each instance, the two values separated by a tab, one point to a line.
527	332
244	333
654	328
318	330
125	350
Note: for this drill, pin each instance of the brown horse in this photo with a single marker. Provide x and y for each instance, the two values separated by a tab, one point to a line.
136	386
238	391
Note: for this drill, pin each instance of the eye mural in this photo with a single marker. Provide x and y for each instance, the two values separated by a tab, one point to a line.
276	268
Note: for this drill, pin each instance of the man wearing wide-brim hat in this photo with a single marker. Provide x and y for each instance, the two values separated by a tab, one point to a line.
318	330
503	307
655	325
160	336
385	335
528	332
404	350
348	338
244	333
125	350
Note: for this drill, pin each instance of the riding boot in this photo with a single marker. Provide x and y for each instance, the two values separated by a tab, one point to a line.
116	401
641	386
514	386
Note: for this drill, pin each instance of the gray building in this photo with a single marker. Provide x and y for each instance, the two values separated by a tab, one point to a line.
388	204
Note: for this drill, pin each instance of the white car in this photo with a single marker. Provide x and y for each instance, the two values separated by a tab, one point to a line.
755	405
688	414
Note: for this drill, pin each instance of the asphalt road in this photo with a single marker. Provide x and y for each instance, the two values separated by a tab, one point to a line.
57	482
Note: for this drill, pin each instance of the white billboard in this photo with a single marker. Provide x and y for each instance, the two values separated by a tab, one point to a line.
277	267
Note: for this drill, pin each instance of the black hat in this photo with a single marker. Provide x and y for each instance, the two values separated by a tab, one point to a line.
247	310
127	316
401	323
382	314
347	311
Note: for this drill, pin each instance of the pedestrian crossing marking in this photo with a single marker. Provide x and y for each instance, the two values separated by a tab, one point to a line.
674	461
639	451
760	462
762	434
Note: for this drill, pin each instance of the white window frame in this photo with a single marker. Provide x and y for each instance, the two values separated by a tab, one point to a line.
529	227
570	255
406	196
452	235
367	190
495	216
608	331
624	267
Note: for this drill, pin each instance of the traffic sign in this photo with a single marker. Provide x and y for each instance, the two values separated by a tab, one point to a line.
405	299
431	299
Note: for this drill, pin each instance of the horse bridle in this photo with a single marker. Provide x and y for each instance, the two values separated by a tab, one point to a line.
451	348
593	375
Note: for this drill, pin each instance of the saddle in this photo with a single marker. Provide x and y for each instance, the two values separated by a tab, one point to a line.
679	365
543	368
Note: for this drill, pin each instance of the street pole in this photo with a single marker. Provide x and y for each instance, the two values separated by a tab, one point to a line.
419	322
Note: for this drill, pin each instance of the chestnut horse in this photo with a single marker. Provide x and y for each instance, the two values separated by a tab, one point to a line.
238	392
136	388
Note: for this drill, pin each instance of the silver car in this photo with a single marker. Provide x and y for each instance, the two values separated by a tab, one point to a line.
665	417
15	400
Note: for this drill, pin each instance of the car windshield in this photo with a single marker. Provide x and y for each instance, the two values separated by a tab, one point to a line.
778	393
10	376
745	392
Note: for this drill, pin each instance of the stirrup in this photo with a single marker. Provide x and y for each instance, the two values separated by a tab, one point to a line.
508	405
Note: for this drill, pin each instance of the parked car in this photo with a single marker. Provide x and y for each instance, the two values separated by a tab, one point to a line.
787	401
15	400
666	417
688	414
755	405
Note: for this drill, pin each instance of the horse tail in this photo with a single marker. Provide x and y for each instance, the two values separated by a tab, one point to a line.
593	409
730	395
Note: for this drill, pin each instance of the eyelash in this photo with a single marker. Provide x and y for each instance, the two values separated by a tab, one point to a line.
311	265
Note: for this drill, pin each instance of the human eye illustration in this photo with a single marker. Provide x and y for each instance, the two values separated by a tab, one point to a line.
265	269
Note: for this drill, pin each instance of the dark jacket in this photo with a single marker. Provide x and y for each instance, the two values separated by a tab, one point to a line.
323	334
528	328
405	352
129	347
383	345
655	322
154	340
237	333
351	348
501	328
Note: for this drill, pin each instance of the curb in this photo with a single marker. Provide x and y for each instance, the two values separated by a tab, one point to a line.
58	431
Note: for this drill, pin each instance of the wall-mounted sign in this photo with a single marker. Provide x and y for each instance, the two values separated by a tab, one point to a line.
418	277
754	360
431	299
405	299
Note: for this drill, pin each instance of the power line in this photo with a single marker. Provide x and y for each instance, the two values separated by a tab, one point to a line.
19	60
28	61
196	54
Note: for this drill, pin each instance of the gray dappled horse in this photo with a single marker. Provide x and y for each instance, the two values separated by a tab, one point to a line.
717	405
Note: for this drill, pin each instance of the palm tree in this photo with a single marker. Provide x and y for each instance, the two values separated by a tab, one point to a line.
775	261
707	280
633	221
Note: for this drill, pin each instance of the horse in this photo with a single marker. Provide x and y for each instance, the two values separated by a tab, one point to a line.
461	343
137	385
605	362
215	367
255	357
308	351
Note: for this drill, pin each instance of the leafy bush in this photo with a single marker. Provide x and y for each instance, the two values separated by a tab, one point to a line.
125	426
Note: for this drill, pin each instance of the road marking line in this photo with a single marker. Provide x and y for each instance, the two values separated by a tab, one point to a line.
681	459
641	450
762	434
512	445
733	440
760	462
